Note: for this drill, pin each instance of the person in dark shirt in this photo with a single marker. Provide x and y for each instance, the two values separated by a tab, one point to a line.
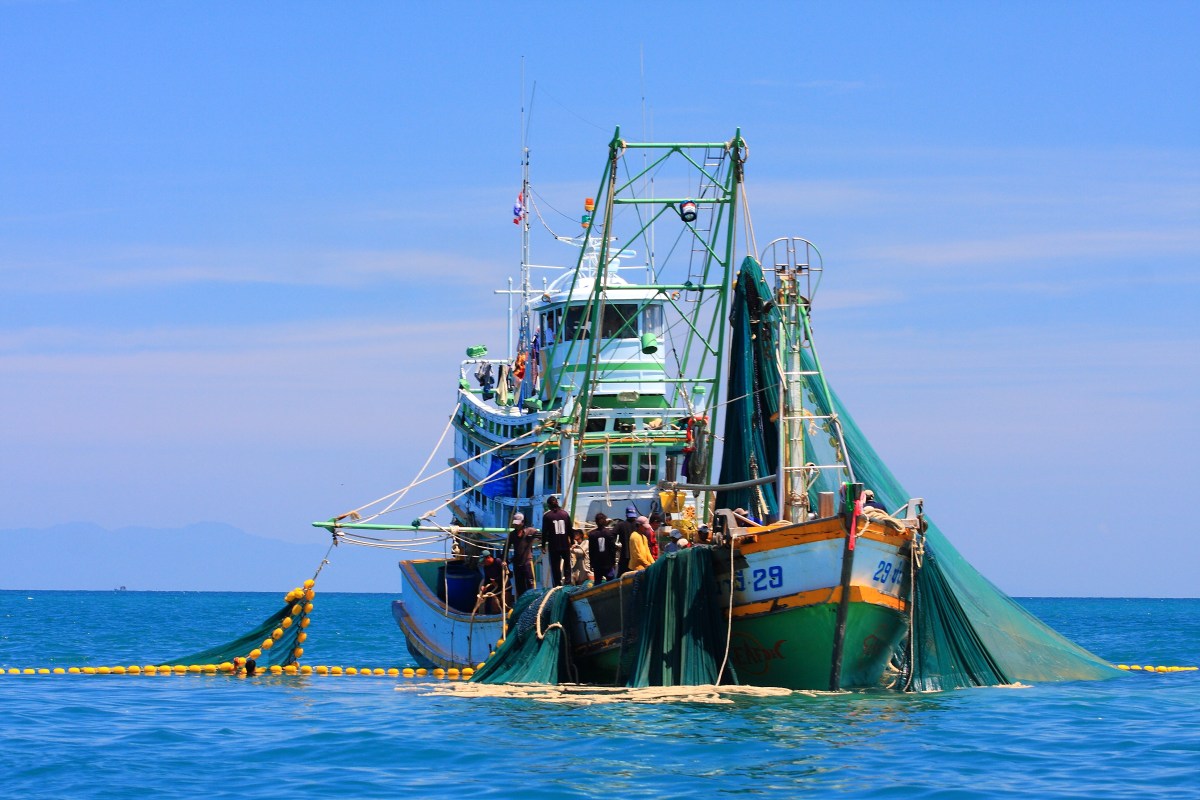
602	549
556	539
869	501
493	579
622	530
520	545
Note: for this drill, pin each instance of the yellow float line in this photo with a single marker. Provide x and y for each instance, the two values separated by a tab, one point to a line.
227	668
1148	668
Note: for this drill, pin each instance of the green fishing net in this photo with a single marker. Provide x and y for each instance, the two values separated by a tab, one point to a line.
674	634
966	632
681	622
535	647
282	650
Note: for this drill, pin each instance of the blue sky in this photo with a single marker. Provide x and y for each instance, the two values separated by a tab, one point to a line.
242	250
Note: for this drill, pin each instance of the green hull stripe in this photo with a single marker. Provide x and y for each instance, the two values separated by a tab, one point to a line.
794	648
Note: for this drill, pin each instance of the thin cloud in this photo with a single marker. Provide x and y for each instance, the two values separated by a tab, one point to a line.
156	266
1041	247
827	85
842	300
85	342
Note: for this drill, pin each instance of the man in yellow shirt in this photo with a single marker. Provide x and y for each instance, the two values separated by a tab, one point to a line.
639	547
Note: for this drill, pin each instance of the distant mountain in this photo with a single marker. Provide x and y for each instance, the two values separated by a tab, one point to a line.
206	556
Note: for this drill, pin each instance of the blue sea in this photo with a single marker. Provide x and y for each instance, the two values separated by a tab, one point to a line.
196	736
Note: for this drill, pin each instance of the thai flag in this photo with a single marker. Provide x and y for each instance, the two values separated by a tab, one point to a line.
519	209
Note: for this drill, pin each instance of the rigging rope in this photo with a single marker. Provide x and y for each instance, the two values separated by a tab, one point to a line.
399	494
534	430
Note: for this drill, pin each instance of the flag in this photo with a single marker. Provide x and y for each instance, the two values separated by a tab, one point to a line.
519	209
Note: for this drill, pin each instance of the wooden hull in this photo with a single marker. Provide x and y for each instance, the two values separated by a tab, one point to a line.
786	583
787	588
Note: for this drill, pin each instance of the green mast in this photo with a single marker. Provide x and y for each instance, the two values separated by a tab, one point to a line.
693	277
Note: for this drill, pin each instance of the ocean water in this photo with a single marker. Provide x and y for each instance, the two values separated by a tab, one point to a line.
78	736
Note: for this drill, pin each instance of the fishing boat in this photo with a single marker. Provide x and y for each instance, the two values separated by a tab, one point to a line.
663	324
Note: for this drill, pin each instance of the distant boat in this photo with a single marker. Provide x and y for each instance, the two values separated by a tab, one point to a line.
621	374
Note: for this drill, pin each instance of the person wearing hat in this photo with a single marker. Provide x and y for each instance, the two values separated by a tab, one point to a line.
602	550
703	534
520	544
622	531
556	539
659	538
581	560
493	580
639	547
869	501
675	540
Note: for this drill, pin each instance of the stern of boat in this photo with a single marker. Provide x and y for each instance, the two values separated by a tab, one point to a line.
437	633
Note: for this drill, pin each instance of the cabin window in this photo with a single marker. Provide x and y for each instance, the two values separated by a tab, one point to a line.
623	425
647	467
620	321
589	470
577	324
652	320
549	326
550	473
596	424
618	469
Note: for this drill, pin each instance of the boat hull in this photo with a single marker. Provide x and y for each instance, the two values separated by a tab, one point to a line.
793	648
436	634
786	582
787	590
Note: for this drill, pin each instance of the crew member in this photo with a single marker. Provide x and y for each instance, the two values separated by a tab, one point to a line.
520	544
622	531
602	550
869	501
556	539
639	549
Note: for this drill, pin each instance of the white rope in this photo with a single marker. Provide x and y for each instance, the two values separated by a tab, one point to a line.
479	483
532	195
501	446
749	222
353	536
399	494
538	621
729	622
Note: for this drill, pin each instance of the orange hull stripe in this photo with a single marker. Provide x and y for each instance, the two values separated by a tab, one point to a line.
858	594
777	536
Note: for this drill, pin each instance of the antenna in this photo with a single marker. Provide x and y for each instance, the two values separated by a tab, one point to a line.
524	336
648	183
